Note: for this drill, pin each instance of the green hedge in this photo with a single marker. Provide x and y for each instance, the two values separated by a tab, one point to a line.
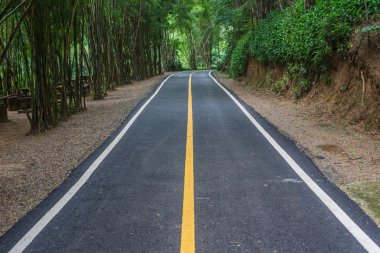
302	39
239	57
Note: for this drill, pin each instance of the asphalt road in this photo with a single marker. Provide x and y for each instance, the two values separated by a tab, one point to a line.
192	159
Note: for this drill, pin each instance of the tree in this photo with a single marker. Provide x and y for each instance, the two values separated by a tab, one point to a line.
54	47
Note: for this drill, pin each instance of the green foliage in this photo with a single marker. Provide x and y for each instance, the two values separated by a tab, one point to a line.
191	32
239	58
370	28
48	44
234	19
280	84
302	39
73	109
176	65
373	8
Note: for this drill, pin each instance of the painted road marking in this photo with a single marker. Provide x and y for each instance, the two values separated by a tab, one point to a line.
188	227
41	224
351	226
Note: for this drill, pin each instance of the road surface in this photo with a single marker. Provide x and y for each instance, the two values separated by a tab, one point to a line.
193	169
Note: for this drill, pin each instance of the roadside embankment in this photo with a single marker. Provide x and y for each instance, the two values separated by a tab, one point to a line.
349	90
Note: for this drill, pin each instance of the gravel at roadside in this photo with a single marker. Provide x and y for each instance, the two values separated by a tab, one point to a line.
33	166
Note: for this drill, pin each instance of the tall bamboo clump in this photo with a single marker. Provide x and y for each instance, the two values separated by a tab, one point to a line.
54	46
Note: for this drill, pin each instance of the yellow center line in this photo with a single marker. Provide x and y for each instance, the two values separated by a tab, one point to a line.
188	226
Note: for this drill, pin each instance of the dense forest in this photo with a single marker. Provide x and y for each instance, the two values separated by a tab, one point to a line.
55	48
59	51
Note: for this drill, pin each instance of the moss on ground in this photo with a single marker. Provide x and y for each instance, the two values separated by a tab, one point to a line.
368	196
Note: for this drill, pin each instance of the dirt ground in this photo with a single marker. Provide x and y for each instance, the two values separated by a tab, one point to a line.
33	166
13	130
348	155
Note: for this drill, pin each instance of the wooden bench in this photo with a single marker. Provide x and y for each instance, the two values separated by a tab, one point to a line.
88	85
26	106
3	109
13	103
25	102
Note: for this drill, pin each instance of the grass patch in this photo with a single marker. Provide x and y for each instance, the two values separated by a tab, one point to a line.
368	196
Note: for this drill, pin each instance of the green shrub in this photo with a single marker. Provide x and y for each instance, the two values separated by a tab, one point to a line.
280	84
305	39
239	58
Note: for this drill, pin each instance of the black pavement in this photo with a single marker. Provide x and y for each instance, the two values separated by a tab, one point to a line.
247	197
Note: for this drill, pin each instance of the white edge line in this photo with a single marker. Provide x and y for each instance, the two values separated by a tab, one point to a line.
40	225
351	226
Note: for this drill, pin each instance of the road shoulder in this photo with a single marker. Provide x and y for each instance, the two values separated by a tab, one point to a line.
348	156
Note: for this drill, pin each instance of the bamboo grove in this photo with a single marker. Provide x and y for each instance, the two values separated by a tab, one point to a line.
59	48
53	47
